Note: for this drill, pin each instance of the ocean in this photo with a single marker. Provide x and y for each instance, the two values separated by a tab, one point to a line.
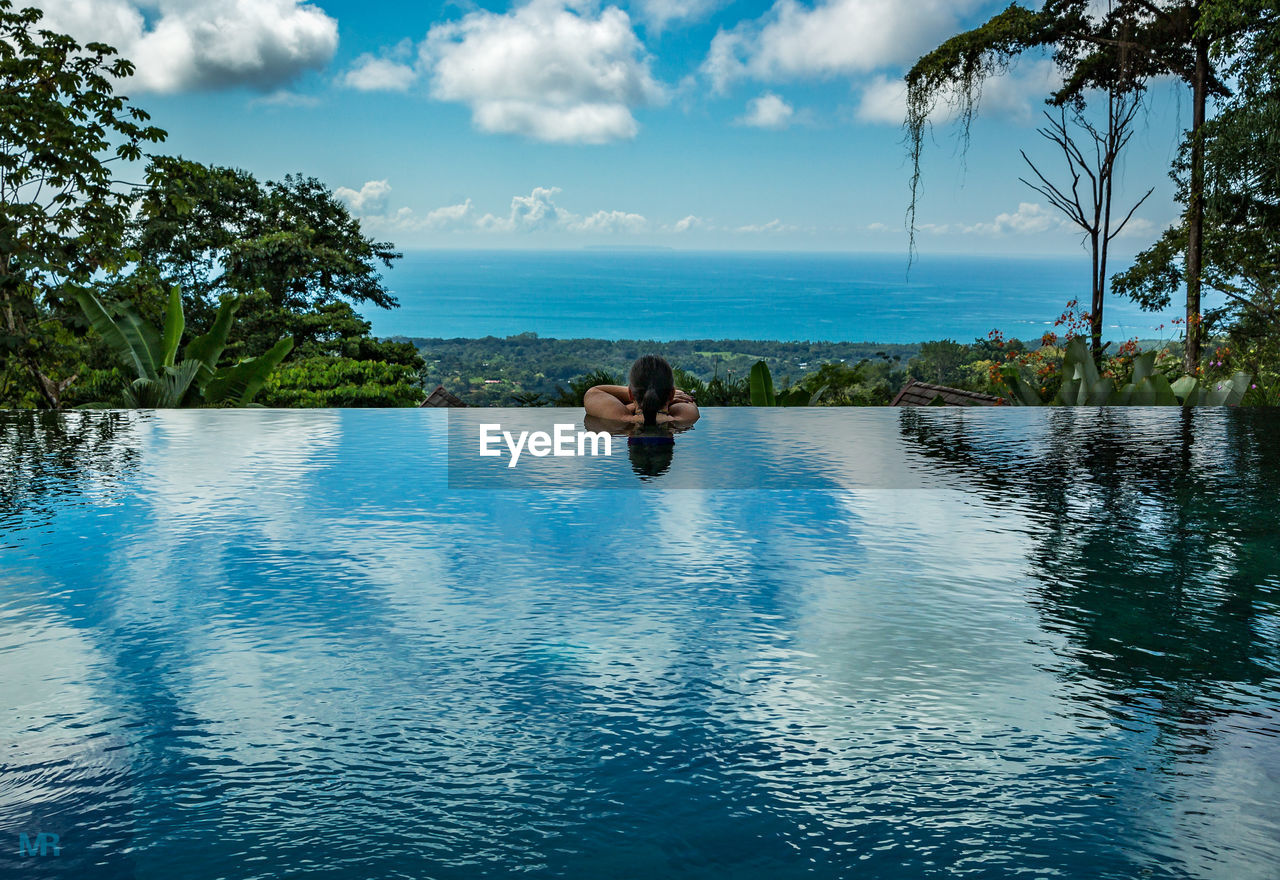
666	295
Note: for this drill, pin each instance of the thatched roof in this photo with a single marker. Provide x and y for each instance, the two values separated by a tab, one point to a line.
440	397
923	394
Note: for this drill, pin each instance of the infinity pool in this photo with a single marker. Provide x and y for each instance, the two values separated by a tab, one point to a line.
798	643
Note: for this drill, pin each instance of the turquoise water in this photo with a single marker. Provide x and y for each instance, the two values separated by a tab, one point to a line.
837	643
688	295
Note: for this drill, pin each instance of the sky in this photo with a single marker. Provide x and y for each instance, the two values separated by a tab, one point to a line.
692	124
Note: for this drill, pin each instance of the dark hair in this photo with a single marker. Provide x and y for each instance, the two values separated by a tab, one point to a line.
651	385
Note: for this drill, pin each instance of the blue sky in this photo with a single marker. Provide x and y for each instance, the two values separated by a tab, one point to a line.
546	124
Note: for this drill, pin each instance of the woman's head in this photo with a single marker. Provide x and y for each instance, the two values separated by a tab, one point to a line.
652	386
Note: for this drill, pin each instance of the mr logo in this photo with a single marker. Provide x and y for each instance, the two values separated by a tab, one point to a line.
42	845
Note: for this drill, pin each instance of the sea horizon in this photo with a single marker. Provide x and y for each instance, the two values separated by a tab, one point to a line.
670	294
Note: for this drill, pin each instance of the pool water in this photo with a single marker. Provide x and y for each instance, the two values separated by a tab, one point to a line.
865	643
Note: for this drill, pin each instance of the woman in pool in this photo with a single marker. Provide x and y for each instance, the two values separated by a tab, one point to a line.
650	397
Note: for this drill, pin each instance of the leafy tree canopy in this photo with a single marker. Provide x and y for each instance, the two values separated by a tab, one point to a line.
62	212
219	231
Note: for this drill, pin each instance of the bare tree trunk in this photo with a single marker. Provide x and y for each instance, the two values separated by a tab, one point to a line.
1116	137
1096	243
1195	207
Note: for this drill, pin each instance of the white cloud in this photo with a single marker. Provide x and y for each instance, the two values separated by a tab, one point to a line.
1140	227
285	98
371	198
461	216
883	100
373	74
536	212
657	14
688	223
548	70
774	225
832	37
189	45
768	111
1018	94
1030	219
611	222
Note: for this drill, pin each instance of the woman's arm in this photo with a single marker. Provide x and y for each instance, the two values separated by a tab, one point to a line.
609	402
685	413
682	408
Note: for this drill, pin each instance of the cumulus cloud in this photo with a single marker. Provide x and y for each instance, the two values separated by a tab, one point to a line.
768	111
831	37
371	198
448	217
190	45
611	222
548	70
1016	94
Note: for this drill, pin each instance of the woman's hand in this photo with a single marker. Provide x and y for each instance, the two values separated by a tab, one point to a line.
682	397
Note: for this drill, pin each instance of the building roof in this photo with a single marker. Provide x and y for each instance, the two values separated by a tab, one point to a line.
923	394
440	397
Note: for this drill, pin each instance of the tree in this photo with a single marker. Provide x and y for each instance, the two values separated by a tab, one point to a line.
62	213
218	231
1241	179
1120	48
940	362
1092	211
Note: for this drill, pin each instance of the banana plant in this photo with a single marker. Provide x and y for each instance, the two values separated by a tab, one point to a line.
163	382
762	385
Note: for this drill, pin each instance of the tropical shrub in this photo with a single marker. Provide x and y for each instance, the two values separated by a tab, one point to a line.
162	381
1082	384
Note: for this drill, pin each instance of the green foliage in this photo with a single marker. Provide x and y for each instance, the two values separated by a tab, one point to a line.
526	364
579	386
1242	189
941	362
716	391
61	216
342	382
1084	385
290	249
761	383
1241	193
335	330
162	383
810	391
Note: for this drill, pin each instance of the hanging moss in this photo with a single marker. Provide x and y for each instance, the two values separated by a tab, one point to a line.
954	73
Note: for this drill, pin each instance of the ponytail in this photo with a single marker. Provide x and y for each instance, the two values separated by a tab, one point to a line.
650	405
